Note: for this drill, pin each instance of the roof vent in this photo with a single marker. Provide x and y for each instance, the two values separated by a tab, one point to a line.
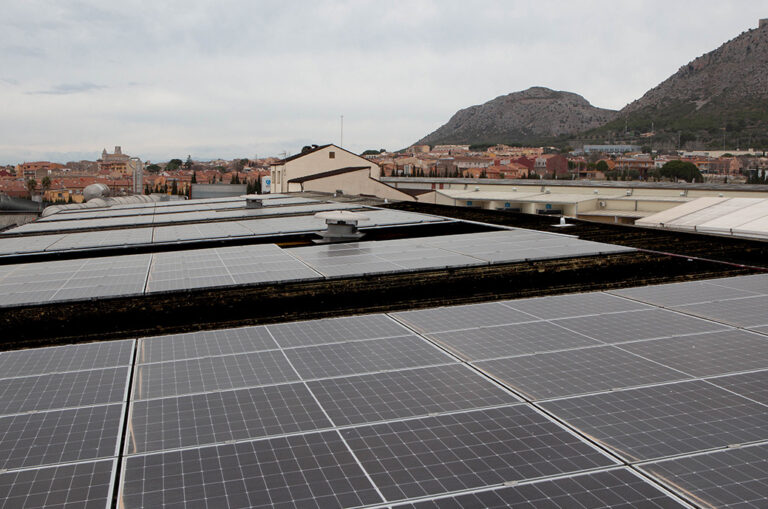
342	226
254	201
562	223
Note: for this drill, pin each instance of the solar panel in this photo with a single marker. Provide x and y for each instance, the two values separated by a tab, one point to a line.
453	452
202	419
665	420
508	340
707	354
763	329
757	283
32	244
634	325
599	490
679	294
407	393
565	373
201	231
314	470
87	485
747	312
335	330
61	436
204	344
736	477
750	385
212	374
63	390
60	359
566	306
462	317
359	357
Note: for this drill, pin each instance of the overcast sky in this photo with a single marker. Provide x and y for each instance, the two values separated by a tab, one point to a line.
238	78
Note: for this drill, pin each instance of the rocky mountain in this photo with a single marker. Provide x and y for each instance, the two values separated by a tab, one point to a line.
521	117
723	90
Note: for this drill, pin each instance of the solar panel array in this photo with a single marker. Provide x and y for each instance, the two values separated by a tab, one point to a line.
586	400
61	416
267	222
120	276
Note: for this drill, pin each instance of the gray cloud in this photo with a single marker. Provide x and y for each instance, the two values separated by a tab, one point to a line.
69	88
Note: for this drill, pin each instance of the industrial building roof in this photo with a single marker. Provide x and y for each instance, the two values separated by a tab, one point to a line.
653	395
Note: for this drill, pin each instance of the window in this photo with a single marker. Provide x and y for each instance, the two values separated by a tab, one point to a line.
331	155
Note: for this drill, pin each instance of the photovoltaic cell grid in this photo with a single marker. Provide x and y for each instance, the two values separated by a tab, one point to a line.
453	452
60	359
447	251
750	385
335	330
314	470
665	420
226	266
177	347
613	488
85	485
736	477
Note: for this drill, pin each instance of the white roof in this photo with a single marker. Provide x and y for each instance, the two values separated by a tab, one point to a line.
741	217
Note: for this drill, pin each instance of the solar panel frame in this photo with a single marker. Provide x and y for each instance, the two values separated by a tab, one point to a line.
407	393
664	420
63	390
510	340
579	371
84	484
335	330
637	325
61	359
595	490
702	355
217	417
313	470
207	374
460	451
212	343
60	436
734	477
360	357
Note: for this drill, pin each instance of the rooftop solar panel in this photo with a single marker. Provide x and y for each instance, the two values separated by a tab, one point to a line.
566	373
204	344
202	419
406	393
566	306
757	283
707	354
63	390
665	420
736	477
462	317
750	385
313	470
509	340
454	452
61	436
61	359
359	357
31	244
335	330
747	312
679	294
599	490
212	374
87	485
634	325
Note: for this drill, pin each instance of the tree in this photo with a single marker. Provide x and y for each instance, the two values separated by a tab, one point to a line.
31	186
188	163
147	189
153	168
173	165
194	178
602	166
681	170
174	188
